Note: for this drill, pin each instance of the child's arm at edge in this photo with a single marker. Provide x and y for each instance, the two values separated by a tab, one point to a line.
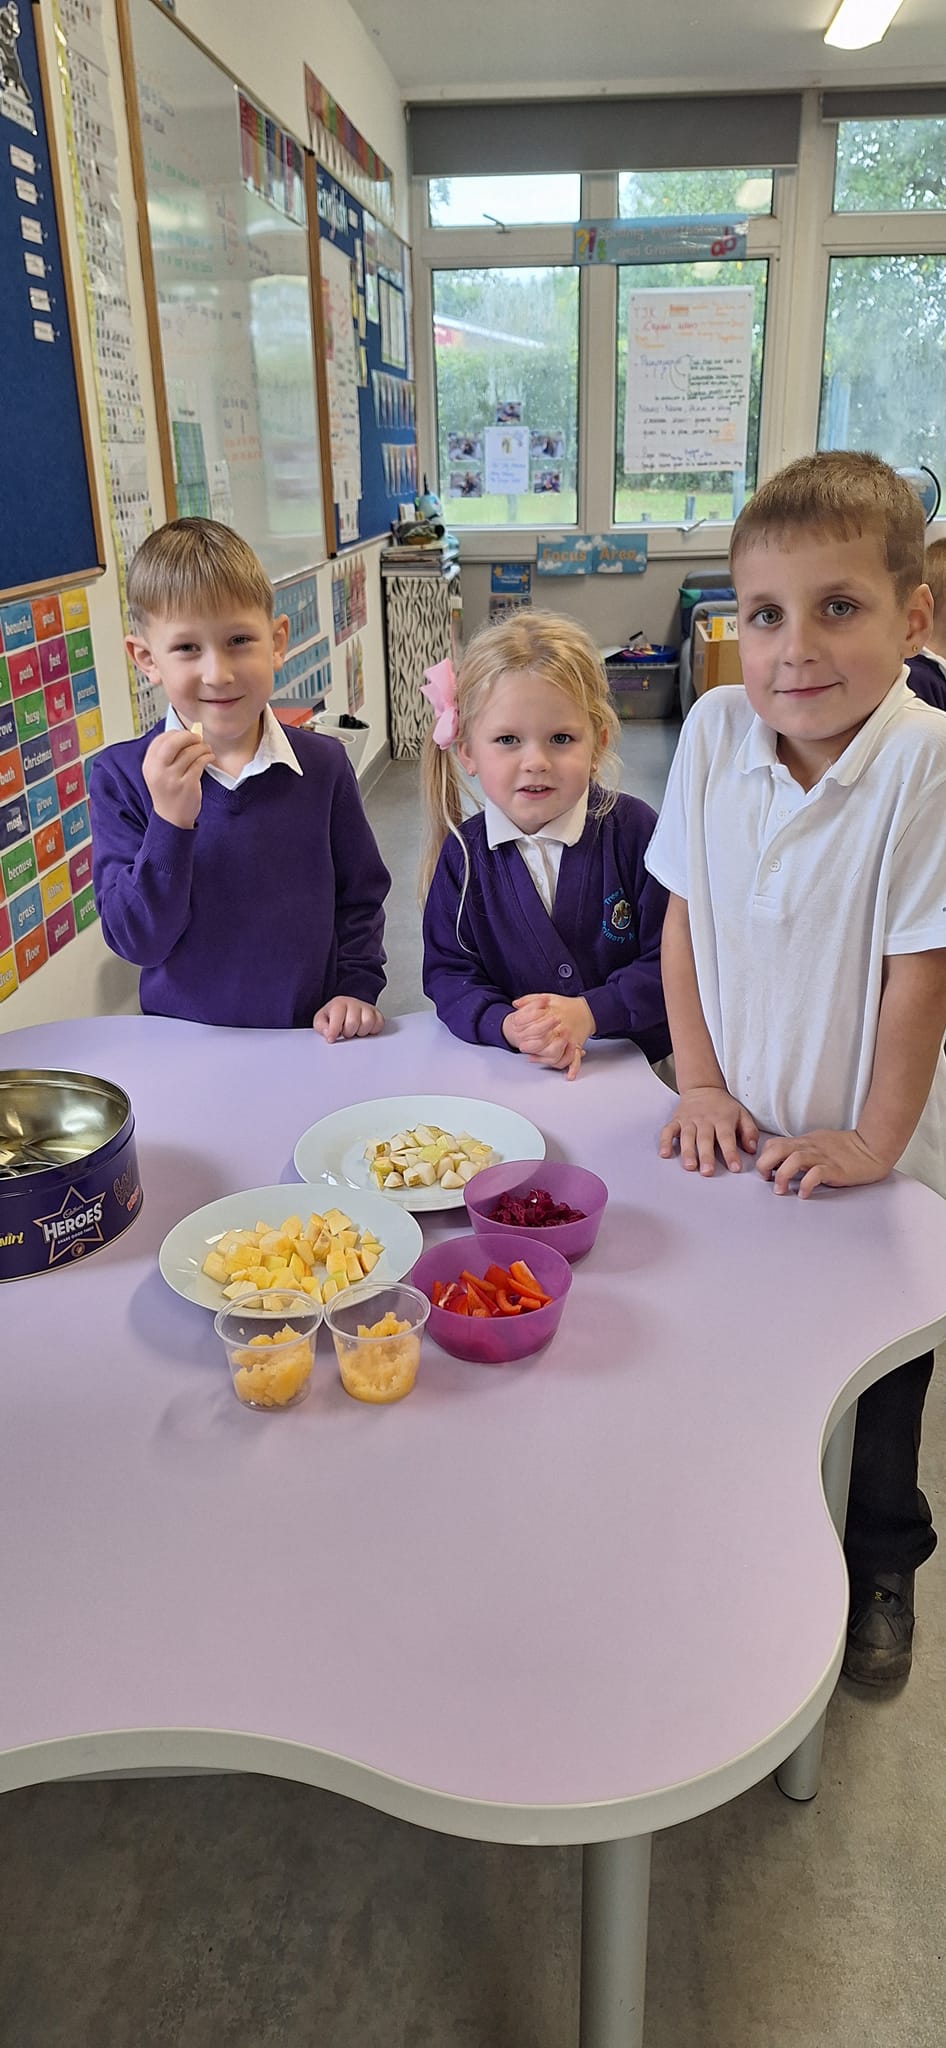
706	1114
361	885
455	979
910	1031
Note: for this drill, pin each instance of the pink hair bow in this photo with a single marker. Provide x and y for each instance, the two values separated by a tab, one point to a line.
440	690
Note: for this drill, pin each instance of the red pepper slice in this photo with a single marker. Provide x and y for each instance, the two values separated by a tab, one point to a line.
526	1282
508	1307
497	1276
485	1297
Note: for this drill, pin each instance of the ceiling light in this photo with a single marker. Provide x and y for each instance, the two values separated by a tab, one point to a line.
859	22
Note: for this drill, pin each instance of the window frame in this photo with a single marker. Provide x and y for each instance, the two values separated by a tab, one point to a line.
798	238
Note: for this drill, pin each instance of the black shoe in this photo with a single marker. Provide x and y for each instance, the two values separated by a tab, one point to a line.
880	1630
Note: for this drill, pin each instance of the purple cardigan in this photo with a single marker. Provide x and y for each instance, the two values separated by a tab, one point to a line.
601	942
927	681
269	907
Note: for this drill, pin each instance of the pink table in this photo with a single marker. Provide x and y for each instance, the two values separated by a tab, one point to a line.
493	1609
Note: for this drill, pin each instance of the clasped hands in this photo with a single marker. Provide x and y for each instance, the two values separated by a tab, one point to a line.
550	1030
707	1118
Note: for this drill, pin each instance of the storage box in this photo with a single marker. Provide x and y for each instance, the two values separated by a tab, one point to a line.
642	686
715	661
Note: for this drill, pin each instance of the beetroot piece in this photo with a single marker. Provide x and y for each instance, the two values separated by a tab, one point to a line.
535	1211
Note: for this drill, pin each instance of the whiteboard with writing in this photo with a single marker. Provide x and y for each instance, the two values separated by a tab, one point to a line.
689	356
231	277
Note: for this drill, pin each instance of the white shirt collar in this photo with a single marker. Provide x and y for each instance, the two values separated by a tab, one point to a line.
565	830
759	748
274	747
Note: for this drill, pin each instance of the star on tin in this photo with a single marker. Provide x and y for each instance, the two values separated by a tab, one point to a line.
90	1234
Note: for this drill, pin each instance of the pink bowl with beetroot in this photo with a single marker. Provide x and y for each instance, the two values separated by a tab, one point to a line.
514	1186
501	1339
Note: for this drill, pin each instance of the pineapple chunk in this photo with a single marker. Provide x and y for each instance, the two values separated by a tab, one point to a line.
296	1267
335	1262
354	1270
329	1290
450	1179
304	1251
369	1259
238	1288
334	1220
291	1227
314	1228
348	1239
216	1268
393	1180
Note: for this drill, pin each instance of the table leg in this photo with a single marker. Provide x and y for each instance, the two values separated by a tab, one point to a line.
614	1900
800	1775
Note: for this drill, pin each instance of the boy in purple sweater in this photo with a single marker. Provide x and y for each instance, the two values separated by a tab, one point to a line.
542	926
232	860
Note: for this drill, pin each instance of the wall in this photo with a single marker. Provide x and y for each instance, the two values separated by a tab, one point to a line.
612	607
85	978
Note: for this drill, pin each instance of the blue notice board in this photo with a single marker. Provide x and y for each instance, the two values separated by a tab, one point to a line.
48	528
368	354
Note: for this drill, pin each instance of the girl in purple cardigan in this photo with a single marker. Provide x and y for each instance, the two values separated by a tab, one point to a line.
541	924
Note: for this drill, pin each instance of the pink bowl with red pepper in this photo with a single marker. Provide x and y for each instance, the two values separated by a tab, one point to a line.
501	1339
513	1185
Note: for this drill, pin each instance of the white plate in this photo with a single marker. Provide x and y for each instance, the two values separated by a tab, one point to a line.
333	1150
186	1246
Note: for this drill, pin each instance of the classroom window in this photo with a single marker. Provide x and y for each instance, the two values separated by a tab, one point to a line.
513	202
641	194
649	496
884	379
506	359
896	166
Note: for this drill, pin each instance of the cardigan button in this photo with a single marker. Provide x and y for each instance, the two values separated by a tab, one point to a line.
565	972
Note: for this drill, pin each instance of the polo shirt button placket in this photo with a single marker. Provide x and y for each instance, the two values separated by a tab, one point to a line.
565	972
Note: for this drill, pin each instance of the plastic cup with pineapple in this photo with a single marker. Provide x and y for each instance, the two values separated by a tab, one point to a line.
269	1339
377	1335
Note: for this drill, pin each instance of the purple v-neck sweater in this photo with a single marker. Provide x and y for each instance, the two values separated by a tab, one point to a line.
269	907
601	942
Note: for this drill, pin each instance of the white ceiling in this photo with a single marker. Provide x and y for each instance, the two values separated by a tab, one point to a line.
438	49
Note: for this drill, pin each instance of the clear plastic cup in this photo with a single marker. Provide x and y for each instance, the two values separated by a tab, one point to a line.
377	1367
269	1339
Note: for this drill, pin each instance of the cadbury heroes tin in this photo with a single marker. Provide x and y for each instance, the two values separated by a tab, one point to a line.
68	1168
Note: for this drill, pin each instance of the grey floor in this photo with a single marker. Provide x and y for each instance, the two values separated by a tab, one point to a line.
242	1912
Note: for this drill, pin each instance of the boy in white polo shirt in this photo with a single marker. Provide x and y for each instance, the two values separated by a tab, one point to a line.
804	948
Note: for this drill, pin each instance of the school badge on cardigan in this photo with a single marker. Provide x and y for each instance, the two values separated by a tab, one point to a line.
618	920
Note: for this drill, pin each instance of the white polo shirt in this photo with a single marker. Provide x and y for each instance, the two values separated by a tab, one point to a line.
795	897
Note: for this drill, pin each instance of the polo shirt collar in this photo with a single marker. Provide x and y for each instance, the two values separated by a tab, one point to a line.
274	743
758	749
565	830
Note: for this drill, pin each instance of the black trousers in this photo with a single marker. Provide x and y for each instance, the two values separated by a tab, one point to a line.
889	1525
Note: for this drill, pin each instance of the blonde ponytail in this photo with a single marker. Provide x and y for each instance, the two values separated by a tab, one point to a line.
443	808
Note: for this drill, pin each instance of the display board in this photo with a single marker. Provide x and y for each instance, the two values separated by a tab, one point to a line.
225	253
50	728
48	526
367	346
